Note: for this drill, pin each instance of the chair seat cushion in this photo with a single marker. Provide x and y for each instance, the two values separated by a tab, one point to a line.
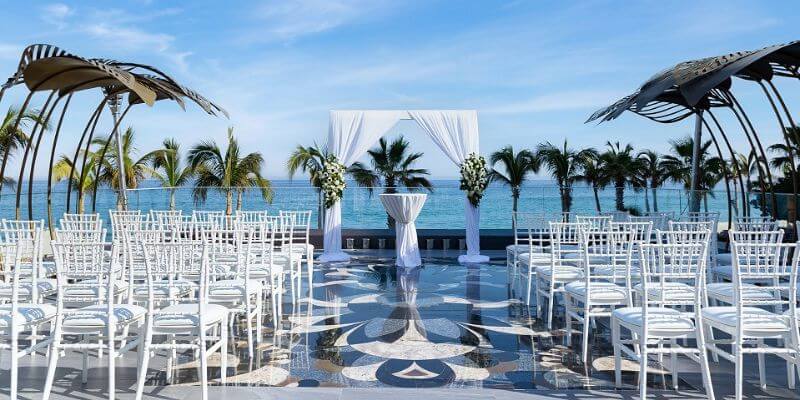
660	320
44	286
756	321
677	291
616	271
27	313
120	286
562	273
723	291
96	316
185	315
164	290
535	258
233	288
599	292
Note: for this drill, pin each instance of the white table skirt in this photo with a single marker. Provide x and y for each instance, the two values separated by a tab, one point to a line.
404	208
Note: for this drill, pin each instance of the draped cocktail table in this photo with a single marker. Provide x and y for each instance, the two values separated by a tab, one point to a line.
404	208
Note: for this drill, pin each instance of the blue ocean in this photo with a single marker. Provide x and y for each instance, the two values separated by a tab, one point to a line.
444	208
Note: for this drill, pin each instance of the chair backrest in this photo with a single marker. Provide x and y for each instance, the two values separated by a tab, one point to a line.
686	232
126	221
27	237
250	216
755	224
663	264
81	224
773	266
565	240
173	260
531	229
85	274
594	222
167	219
90	235
641	232
617	216
757	236
660	222
607	255
302	225
10	269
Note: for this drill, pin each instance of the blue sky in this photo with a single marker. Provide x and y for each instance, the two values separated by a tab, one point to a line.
534	70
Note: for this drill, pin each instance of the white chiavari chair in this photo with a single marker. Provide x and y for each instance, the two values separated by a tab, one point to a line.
285	255
722	289
36	276
749	322
565	256
660	219
87	275
191	321
605	283
242	292
250	216
594	222
301	241
657	325
531	239
713	218
19	315
617	216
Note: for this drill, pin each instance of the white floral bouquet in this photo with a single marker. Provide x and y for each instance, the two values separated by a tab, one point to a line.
474	177
332	180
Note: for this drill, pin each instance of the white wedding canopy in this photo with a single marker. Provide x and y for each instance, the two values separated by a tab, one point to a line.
352	132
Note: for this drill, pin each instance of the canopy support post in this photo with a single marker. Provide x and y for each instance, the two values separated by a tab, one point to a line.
694	193
114	104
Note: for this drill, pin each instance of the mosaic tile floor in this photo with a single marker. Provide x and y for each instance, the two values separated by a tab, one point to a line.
371	324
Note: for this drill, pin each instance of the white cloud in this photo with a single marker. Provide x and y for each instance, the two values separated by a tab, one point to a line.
131	38
289	19
56	14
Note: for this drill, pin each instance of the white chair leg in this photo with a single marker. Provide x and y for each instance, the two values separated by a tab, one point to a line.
203	369
14	362
585	334
52	362
762	371
615	342
705	369
643	369
148	338
739	369
550	302
223	352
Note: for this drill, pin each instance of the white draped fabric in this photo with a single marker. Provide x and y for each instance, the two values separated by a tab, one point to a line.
352	132
404	208
456	133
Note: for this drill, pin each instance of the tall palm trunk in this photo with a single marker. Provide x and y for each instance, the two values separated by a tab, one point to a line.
228	202
620	195
566	199
390	188
596	199
172	199
646	201
514	200
239	199
655	198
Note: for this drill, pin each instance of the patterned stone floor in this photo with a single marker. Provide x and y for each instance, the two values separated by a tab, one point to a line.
371	324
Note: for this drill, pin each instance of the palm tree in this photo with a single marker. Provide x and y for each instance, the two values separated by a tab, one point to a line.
650	174
81	184
136	170
173	174
10	138
309	160
227	172
593	175
516	168
678	166
564	165
391	166
620	167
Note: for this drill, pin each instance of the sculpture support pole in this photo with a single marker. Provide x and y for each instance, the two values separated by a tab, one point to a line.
791	212
725	173
763	155
41	121
93	123
694	189
120	160
736	167
35	154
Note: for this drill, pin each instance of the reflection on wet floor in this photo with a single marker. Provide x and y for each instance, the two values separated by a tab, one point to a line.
372	324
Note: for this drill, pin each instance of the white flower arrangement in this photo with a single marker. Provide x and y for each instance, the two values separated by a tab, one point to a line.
474	178
332	178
